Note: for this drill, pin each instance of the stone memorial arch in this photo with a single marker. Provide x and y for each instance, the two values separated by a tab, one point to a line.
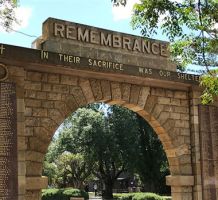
74	65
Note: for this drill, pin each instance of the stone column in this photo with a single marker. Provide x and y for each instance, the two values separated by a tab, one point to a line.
181	187
195	141
34	186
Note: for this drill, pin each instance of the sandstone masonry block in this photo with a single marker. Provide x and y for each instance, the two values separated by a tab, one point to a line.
69	80
96	89
32	103
134	95
34	76
46	87
53	78
60	88
106	89
180	95
29	85
125	90
116	91
53	96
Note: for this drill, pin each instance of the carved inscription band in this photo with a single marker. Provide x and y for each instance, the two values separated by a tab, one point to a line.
8	142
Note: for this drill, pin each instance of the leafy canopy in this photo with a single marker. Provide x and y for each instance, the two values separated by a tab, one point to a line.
7	13
110	140
192	28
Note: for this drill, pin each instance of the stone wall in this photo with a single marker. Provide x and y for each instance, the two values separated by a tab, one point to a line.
45	99
49	98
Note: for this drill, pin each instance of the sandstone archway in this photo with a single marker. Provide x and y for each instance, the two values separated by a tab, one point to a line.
50	98
99	66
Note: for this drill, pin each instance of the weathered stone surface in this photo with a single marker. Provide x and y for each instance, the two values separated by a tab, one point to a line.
134	95
116	91
106	90
36	183
125	89
34	76
53	78
69	80
96	89
78	95
87	91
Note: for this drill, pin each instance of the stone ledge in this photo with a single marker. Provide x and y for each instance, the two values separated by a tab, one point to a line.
180	180
36	183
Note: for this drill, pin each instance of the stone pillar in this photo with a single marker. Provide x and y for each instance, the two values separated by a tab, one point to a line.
181	187
195	142
34	186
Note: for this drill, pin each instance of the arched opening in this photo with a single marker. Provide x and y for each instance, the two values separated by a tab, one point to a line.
51	98
117	148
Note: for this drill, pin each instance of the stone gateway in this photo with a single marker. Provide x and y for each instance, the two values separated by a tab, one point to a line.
73	65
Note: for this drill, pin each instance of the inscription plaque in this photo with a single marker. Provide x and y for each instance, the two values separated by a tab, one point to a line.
8	142
209	154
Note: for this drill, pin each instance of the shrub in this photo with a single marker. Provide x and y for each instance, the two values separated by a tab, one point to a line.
147	196
125	196
63	194
138	196
167	197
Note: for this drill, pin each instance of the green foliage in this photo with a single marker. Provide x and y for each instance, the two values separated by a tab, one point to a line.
210	83
124	196
151	165
191	26
147	196
72	170
138	196
119	2
50	170
7	14
68	169
63	194
107	140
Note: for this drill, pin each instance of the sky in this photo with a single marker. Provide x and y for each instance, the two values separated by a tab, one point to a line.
98	13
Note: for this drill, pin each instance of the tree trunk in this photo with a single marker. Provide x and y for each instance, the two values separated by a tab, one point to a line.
108	191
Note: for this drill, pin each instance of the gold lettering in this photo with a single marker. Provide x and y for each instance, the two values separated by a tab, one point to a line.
69	58
93	37
90	62
77	59
136	46
71	32
94	63
2	49
143	70
121	67
59	30
83	35
44	55
99	63
126	43
106	41
110	39
163	50
146	46
105	64
154	48
116	41
164	73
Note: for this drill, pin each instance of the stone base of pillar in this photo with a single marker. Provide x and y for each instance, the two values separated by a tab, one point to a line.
181	187
34	186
